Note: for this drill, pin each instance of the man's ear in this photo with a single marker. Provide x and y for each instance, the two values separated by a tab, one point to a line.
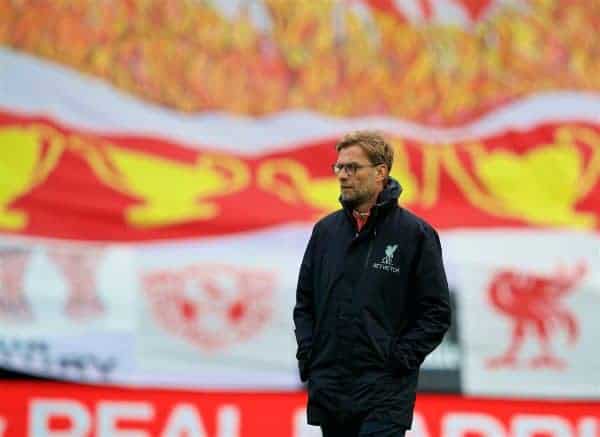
382	172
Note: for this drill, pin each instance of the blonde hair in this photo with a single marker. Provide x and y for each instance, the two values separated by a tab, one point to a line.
377	149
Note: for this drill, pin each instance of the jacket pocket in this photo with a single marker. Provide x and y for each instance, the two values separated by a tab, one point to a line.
378	337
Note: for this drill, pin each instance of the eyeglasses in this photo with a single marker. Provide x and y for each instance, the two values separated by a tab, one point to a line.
350	168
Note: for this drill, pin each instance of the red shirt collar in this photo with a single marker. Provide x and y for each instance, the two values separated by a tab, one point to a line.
360	218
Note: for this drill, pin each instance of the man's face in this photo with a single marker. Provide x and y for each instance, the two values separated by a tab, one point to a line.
365	183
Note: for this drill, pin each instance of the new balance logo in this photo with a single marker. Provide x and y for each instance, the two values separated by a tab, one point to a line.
389	254
387	262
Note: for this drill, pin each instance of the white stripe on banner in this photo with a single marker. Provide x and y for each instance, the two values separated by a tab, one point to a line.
32	86
217	313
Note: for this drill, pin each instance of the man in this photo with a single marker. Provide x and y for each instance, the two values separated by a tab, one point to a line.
372	300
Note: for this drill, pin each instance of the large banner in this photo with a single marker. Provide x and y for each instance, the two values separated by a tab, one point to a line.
162	164
62	410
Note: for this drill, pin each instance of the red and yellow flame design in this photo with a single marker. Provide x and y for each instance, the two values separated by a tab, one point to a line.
320	55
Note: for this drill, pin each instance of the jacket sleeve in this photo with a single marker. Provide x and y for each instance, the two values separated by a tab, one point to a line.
304	315
430	315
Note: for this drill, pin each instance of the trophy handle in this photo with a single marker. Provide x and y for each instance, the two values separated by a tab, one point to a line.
55	150
590	174
98	158
239	175
289	191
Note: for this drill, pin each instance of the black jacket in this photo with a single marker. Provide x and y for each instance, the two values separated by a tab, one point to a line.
369	308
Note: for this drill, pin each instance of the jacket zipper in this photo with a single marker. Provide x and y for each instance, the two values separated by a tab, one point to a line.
368	256
329	289
371	320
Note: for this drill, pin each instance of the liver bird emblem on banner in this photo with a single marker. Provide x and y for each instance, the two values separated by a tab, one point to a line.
535	307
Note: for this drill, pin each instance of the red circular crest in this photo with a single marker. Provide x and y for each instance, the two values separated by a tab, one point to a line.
213	305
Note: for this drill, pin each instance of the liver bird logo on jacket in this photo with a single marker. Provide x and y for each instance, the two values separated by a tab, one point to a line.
389	254
534	304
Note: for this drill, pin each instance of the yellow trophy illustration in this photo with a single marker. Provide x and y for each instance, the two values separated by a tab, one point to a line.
541	186
27	157
171	192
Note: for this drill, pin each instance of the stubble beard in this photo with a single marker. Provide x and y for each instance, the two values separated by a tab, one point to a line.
356	198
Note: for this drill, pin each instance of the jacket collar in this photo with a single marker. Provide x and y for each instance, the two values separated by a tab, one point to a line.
390	194
387	198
